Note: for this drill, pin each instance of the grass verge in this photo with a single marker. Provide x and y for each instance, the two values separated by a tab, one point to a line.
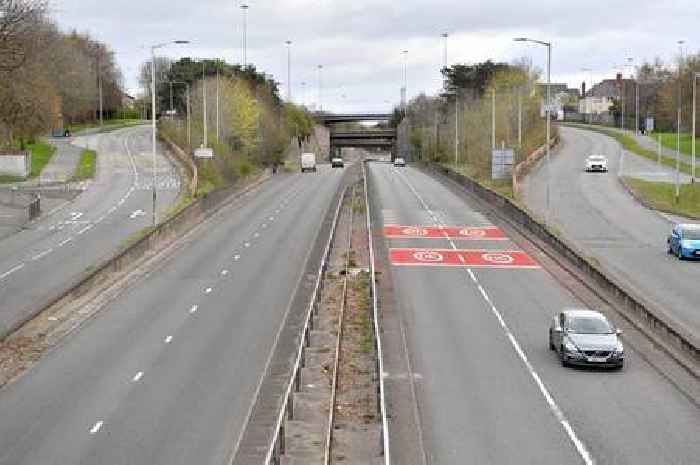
631	145
41	155
87	167
668	140
662	196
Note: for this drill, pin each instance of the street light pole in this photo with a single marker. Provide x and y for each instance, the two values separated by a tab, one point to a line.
245	7
405	84
187	110
289	70
218	132
548	116
678	124
153	117
692	135
320	87
205	143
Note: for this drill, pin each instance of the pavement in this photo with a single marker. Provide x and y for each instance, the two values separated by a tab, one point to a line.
596	213
487	388
168	371
48	255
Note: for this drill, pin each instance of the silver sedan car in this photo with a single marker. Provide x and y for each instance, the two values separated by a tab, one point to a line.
586	337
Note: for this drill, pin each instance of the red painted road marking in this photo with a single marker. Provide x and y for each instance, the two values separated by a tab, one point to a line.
464	258
490	233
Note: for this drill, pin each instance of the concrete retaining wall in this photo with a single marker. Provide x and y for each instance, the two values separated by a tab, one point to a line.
641	313
15	163
524	167
186	161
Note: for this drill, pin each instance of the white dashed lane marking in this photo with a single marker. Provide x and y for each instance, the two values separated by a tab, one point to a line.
168	339
208	290
96	427
194	308
42	254
224	272
11	270
137	376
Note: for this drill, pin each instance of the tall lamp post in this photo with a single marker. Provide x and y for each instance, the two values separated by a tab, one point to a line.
320	87
405	79
548	116
153	114
678	124
692	135
288	43
244	8
585	99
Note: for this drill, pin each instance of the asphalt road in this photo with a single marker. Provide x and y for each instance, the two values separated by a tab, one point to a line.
596	212
39	263
488	389
166	374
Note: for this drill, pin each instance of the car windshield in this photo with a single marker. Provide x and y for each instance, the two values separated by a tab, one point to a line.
691	234
596	158
588	325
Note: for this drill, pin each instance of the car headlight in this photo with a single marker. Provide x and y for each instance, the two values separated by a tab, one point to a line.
619	350
569	347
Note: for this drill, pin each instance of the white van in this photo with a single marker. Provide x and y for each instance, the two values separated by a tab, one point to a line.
308	162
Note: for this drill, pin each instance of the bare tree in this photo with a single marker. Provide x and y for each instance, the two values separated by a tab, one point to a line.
18	18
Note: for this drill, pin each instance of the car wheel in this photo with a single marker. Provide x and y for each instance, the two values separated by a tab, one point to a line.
564	361
679	254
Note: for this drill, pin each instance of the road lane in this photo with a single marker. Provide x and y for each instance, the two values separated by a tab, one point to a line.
58	248
199	370
478	356
597	213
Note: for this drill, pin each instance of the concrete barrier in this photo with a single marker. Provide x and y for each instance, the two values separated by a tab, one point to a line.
639	312
523	168
186	160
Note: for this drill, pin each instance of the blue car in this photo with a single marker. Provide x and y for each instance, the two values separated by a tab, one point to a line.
684	241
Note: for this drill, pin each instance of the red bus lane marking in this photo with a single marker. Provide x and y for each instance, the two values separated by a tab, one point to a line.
463	258
490	233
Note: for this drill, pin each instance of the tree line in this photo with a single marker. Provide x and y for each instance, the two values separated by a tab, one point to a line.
457	125
50	78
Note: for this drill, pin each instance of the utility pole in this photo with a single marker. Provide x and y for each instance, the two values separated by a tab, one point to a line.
444	36
405	84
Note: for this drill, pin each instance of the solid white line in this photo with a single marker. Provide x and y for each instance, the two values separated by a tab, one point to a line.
578	444
137	376
11	270
61	244
112	210
42	254
168	339
194	308
97	427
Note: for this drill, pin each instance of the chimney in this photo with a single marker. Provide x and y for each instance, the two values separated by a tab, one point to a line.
583	89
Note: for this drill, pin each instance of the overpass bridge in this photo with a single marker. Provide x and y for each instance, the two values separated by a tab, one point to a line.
369	138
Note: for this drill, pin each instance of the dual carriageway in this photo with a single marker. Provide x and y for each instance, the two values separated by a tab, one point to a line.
168	372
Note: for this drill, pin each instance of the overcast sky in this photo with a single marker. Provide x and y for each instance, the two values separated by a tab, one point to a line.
360	42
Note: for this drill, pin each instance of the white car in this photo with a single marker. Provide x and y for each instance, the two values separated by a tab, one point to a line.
398	161
337	162
597	163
